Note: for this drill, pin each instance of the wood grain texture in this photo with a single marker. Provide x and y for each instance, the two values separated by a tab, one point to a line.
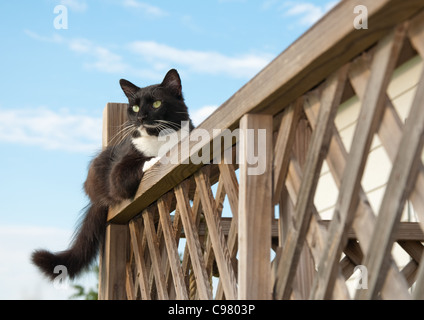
389	134
318	149
291	74
142	271
401	181
255	212
384	62
218	242
283	145
296	101
171	246
193	243
113	264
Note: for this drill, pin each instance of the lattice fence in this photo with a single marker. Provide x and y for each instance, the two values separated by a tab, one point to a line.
221	233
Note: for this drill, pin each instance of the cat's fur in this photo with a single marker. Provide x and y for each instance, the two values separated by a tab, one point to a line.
115	174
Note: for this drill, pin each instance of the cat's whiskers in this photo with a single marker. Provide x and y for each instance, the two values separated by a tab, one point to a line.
123	133
162	127
169	124
126	123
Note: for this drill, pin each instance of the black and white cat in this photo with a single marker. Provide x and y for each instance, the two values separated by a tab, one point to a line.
115	174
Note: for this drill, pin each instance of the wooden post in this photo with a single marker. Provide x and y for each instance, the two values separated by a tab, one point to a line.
255	207
112	268
112	265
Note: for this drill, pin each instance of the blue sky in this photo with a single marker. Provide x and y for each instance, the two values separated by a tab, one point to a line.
54	84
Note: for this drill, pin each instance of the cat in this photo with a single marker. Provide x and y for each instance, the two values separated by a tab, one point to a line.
115	174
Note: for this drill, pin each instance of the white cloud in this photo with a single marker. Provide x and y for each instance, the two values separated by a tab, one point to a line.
148	9
307	12
55	38
75	5
198	115
58	129
104	59
162	56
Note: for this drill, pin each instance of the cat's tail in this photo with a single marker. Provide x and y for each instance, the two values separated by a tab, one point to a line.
83	250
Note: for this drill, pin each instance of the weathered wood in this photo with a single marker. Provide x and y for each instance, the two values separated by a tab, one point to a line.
193	242
408	231
195	216
389	133
416	35
231	186
255	210
401	181
171	246
372	106
112	259
283	145
150	262
316	234
153	243
413	248
419	289
281	82
131	290
113	264
114	119
390	130
139	261
302	136
319	145
221	252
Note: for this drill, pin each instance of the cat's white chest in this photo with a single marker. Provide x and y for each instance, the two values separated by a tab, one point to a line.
153	146
148	145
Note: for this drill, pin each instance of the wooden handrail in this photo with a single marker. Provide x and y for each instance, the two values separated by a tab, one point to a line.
321	104
320	51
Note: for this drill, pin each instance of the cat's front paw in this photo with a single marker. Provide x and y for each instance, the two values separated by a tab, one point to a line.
150	163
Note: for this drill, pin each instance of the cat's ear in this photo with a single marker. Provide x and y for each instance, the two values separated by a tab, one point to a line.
172	82
128	88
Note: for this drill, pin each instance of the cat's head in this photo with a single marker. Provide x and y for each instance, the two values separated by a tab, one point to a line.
158	107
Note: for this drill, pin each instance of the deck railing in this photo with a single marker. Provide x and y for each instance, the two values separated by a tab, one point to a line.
180	239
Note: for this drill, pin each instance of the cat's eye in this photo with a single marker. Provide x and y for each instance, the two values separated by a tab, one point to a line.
157	104
135	108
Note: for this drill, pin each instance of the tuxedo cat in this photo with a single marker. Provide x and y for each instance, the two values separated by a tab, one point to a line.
115	174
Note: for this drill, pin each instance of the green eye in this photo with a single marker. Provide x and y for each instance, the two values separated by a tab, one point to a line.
157	104
136	108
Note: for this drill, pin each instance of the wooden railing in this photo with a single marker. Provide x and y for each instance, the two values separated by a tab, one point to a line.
180	239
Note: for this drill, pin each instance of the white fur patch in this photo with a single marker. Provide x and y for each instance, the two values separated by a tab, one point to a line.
150	163
151	146
148	145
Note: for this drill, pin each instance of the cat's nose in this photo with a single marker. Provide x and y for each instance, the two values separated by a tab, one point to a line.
141	117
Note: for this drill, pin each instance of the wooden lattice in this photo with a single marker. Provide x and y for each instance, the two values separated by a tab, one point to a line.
218	232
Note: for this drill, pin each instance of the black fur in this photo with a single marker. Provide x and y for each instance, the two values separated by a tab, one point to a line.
115	174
